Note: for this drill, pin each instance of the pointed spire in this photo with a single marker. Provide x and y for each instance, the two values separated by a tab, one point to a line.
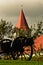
22	24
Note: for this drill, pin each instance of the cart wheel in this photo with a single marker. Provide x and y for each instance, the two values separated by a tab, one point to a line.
18	45
6	45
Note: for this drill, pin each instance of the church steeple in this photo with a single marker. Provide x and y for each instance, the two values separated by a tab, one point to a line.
22	24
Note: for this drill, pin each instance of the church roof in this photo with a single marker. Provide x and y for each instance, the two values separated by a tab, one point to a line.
38	42
22	24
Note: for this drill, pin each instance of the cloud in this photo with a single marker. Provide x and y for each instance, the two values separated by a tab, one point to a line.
33	9
12	7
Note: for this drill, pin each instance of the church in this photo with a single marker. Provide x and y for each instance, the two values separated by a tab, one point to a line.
22	23
22	26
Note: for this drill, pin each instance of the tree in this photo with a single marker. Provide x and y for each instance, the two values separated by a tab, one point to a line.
21	32
5	28
38	30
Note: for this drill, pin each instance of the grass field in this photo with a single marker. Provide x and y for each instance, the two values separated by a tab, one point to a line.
34	61
20	62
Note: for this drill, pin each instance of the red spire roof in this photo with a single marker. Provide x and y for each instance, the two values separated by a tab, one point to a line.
38	42
22	24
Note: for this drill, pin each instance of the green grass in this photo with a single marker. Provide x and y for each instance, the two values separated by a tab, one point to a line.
34	61
20	62
36	58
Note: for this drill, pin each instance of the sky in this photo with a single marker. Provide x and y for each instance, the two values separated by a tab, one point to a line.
10	10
